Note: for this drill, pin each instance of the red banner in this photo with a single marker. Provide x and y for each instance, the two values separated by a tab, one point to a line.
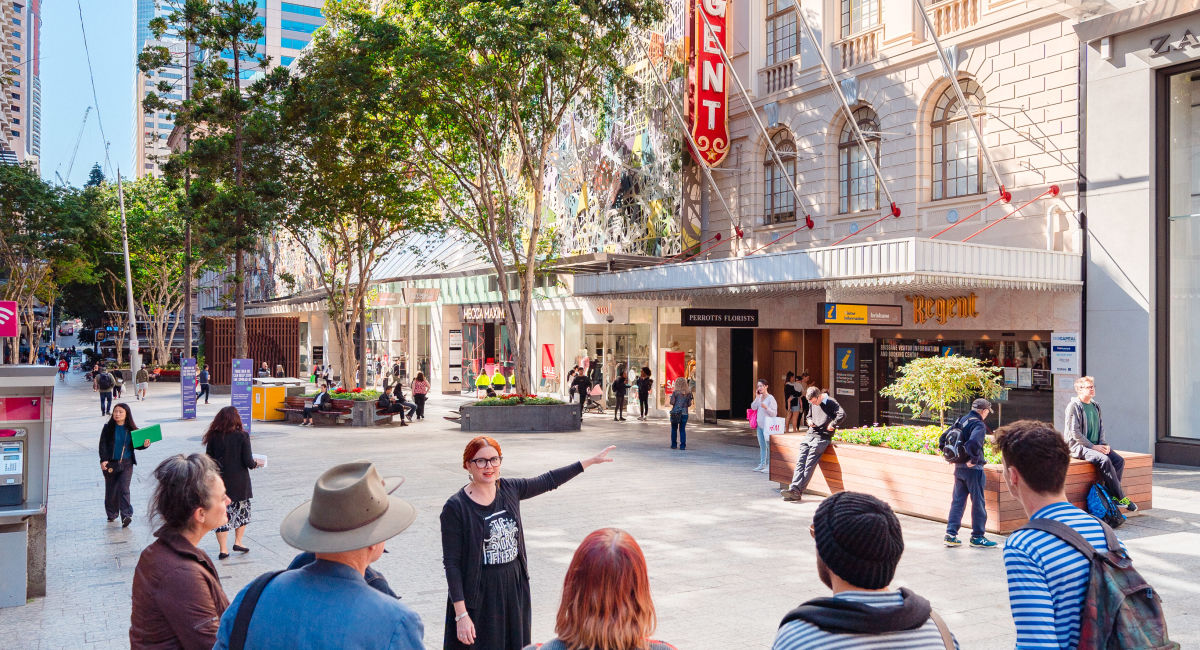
710	76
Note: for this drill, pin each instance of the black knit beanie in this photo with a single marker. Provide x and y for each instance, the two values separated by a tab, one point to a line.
858	537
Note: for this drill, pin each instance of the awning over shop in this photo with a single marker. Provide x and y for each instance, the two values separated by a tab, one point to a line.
883	266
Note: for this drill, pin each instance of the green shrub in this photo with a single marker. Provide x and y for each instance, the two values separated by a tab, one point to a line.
364	396
517	400
918	439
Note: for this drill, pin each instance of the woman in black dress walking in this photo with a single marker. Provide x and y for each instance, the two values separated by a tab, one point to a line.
483	550
227	442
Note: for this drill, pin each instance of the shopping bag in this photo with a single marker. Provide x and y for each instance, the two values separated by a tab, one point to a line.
752	418
775	426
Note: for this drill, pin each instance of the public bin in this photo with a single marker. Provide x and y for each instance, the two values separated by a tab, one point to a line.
266	400
26	400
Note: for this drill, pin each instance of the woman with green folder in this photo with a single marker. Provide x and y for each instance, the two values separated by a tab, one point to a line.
117	459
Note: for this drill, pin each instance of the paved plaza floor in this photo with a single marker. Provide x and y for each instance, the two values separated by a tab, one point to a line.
728	558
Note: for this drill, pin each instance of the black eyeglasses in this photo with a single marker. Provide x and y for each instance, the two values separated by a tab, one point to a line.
481	463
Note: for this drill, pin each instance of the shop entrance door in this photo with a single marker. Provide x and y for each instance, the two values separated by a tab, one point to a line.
741	372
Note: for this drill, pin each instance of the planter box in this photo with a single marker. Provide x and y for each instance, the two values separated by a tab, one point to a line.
545	418
921	484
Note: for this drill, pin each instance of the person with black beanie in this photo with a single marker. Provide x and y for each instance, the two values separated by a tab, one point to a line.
859	544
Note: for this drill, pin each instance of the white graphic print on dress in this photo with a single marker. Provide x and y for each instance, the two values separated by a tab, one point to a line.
501	543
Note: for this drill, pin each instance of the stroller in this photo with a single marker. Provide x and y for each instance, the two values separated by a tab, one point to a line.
594	402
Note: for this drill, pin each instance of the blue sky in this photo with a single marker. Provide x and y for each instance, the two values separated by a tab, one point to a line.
67	90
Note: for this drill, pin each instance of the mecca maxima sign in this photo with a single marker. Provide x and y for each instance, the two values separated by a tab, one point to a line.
718	317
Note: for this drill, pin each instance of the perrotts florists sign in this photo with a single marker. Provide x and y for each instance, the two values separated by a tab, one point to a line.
710	126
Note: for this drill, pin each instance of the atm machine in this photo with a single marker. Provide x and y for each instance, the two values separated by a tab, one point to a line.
26	408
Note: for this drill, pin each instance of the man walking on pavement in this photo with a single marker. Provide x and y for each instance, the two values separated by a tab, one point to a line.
203	378
104	384
969	480
823	417
581	385
1084	434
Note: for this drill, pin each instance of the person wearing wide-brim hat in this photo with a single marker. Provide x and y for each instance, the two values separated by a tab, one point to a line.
325	604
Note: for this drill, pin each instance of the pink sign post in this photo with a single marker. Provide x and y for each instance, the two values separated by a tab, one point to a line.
10	325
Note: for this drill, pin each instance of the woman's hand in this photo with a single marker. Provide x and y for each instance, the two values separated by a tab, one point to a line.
601	457
145	445
465	629
104	465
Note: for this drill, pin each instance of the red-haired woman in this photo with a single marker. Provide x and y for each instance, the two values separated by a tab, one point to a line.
227	442
606	598
483	550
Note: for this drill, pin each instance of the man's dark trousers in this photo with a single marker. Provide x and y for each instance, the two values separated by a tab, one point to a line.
1110	467
811	448
968	481
582	401
116	489
105	402
203	393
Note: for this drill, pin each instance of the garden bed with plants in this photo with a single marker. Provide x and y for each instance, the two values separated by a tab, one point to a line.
902	466
515	413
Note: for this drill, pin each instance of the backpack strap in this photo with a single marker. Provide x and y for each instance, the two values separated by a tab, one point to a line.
241	623
947	639
1069	535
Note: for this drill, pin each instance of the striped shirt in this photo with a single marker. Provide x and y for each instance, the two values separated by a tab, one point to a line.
1047	578
798	635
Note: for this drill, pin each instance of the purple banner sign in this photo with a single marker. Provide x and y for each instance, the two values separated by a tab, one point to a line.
240	388
187	387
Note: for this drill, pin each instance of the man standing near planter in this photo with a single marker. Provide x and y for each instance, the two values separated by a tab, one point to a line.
1085	436
824	416
969	480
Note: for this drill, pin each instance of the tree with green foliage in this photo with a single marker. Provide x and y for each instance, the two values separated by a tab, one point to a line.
183	18
490	84
354	195
934	384
235	192
40	229
95	177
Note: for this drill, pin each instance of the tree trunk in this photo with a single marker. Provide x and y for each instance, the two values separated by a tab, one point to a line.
187	229
239	323
362	338
239	309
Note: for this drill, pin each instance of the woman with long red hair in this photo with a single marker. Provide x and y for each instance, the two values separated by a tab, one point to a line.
483	550
606	601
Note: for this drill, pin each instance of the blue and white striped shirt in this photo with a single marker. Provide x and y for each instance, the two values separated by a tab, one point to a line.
1047	578
801	635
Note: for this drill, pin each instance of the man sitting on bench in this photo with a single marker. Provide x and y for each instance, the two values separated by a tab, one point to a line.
390	406
1085	435
320	400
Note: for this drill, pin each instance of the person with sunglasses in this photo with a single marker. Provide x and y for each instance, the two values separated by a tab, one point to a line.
483	550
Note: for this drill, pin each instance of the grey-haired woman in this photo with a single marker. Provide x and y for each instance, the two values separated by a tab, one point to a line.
177	596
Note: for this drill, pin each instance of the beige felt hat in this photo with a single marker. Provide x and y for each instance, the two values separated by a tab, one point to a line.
351	508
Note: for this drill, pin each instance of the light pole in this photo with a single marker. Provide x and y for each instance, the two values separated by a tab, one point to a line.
135	357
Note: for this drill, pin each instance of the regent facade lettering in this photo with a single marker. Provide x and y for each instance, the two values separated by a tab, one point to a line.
925	308
709	108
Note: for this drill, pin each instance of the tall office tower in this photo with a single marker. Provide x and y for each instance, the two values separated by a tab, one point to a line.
20	81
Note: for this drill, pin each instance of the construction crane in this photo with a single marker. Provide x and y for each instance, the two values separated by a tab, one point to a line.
78	139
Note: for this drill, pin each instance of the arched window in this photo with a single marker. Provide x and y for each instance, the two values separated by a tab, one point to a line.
858	189
779	200
955	155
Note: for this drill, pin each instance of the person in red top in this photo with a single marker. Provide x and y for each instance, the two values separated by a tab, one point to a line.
63	367
420	389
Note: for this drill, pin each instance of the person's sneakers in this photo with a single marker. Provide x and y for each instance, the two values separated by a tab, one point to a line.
125	521
682	447
763	470
951	541
1125	503
111	519
791	495
982	542
758	468
674	446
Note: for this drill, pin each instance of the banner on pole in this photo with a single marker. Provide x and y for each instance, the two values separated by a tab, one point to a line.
240	387
187	388
709	106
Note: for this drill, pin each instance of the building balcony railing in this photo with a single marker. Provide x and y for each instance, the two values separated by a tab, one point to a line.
950	16
780	76
860	48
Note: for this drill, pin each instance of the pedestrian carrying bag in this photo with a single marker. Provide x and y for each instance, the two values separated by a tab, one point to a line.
104	381
752	418
1120	609
1100	505
953	443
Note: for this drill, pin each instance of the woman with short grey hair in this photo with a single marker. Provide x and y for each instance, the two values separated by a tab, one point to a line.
177	596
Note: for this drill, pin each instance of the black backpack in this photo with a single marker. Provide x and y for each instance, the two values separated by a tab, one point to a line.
953	442
104	381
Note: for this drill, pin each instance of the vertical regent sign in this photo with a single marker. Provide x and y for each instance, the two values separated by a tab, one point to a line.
709	107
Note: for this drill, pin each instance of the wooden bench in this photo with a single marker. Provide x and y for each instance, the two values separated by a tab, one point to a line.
921	484
293	410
